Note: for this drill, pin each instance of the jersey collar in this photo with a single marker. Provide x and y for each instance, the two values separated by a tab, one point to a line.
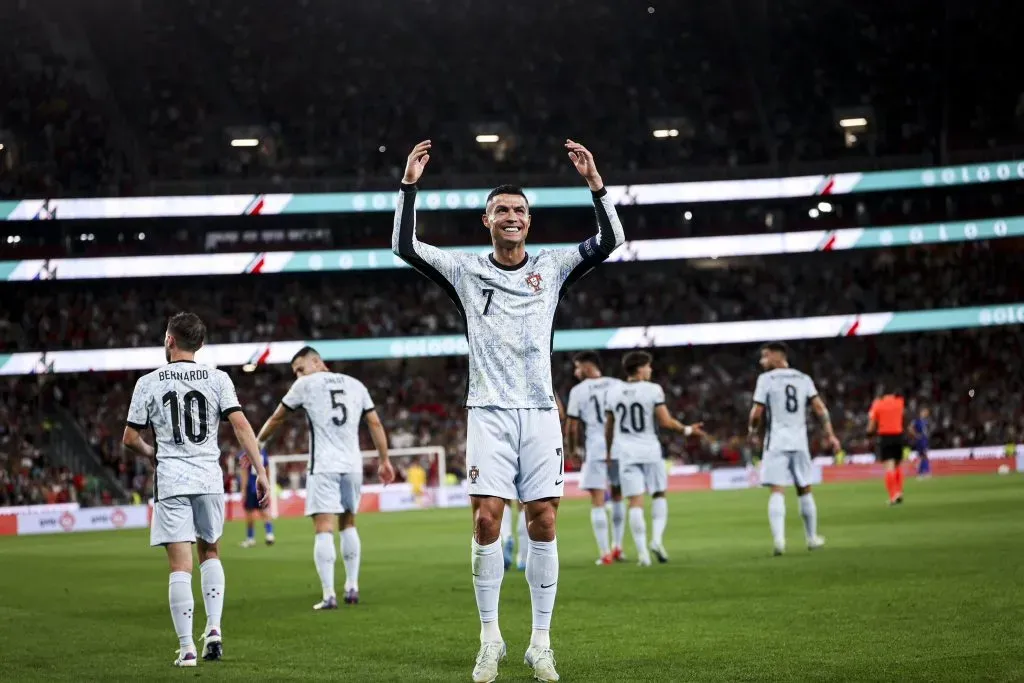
502	266
182	361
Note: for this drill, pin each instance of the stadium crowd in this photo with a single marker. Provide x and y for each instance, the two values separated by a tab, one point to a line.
728	81
959	375
106	314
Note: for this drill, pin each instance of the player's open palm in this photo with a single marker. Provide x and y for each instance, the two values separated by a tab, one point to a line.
386	472
698	430
416	162
262	490
583	160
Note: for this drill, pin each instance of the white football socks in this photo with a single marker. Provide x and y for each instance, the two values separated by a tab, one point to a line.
638	527
542	575
659	519
212	578
324	555
179	595
777	518
618	522
351	554
488	567
524	538
599	521
809	511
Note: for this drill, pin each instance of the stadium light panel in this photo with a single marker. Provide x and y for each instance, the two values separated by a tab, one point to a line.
854	122
824	207
249	367
1	146
813	213
245	142
662	133
485	138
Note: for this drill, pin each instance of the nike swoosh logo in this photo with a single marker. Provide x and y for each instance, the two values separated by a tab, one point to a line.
549	585
559	482
476	575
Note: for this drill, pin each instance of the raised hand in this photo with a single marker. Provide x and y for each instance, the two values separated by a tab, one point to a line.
583	160
418	158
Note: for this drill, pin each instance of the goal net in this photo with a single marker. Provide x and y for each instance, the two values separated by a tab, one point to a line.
287	475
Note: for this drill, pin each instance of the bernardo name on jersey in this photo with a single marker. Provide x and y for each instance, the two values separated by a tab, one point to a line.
184	403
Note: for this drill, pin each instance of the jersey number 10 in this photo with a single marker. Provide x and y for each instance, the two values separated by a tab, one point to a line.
193	402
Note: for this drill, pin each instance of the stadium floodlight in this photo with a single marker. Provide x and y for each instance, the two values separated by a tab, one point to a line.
249	367
661	133
1	146
853	122
813	213
824	207
245	142
688	215
487	138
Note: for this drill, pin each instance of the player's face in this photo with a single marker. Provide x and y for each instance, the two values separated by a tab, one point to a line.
508	219
577	370
925	413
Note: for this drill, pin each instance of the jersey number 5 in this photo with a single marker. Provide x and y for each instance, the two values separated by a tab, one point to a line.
336	404
792	405
193	401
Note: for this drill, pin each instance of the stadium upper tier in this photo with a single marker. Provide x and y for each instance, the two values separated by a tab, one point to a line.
148	93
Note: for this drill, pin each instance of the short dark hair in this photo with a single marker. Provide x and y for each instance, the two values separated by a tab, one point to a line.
303	352
188	331
588	357
777	346
507	189
634	360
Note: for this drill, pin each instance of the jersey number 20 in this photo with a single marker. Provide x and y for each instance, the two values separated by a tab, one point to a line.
636	417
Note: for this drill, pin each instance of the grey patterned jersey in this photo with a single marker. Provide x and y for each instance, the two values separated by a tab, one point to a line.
508	311
184	403
586	404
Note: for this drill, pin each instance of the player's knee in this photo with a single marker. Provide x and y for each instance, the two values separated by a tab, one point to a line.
207	551
487	524
541	522
659	494
803	490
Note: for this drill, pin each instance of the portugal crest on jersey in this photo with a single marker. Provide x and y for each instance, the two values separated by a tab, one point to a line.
474	472
534	280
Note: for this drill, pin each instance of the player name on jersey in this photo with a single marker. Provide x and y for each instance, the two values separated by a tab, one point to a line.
183	376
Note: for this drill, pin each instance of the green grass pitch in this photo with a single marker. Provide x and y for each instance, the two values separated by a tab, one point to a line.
929	591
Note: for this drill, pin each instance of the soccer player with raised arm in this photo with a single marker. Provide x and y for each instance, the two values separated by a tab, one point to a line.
632	409
781	397
586	409
508	301
184	403
335	404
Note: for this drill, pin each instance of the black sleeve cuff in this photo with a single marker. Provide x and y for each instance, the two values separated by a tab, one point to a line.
369	410
572	417
759	403
287	407
137	426
406	187
224	413
659	403
599	193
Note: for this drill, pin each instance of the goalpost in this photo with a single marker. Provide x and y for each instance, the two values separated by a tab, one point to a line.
433	459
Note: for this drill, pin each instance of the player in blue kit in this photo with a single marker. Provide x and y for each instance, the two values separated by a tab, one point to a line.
251	502
920	430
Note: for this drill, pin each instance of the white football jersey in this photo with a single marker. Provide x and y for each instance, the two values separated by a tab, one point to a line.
586	404
635	438
184	403
334	405
785	394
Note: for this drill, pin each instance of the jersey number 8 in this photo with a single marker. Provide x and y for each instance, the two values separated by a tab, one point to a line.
792	405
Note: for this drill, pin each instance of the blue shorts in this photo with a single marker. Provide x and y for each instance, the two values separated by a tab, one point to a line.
921	448
251	501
